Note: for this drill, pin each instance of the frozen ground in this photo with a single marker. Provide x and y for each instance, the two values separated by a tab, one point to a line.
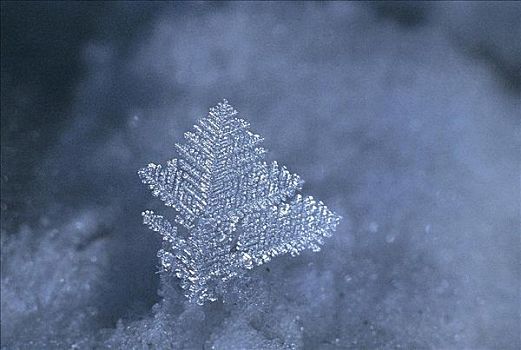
403	118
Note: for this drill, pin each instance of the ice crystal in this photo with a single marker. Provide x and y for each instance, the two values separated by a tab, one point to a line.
235	211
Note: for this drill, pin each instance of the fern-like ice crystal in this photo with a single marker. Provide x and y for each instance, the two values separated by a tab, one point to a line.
234	210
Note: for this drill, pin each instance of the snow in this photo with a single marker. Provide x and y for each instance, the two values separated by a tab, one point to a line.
407	133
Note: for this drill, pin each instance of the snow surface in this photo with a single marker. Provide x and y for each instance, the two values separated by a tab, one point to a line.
404	119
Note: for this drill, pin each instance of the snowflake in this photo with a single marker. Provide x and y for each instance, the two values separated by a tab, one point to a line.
234	210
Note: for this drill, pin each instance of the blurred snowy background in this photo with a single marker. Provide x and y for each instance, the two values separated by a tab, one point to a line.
404	118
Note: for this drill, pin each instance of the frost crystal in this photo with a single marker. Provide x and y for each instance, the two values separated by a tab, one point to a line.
235	211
